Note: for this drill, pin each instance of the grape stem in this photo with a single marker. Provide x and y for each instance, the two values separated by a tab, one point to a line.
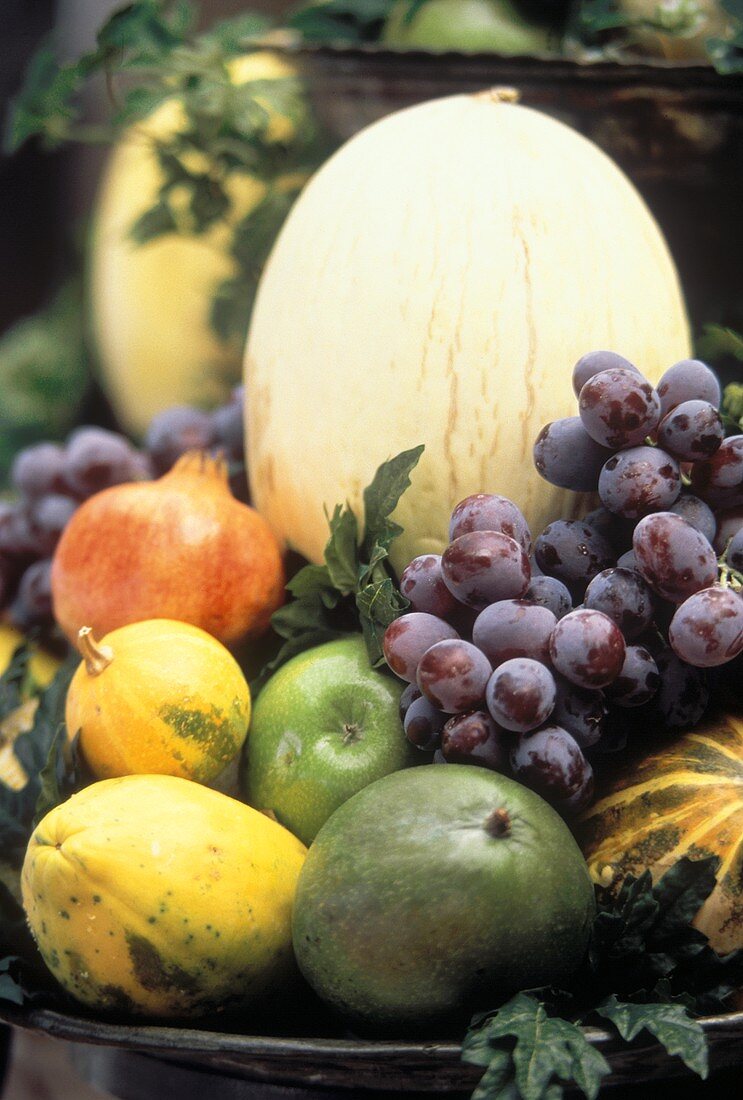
729	577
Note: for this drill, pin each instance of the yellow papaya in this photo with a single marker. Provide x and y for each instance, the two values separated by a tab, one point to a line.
158	897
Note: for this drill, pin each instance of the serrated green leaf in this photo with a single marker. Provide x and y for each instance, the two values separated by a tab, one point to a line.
378	605
671	1025
497	1078
382	496
341	551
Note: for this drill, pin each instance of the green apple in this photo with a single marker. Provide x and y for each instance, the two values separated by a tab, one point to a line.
325	726
467	25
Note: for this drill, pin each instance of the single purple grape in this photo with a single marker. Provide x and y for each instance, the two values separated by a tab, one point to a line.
618	408
490	512
638	481
728	524
453	675
638	681
409	694
482	567
38	470
723	471
423	724
692	431
688	380
520	694
174	432
674	558
566	456
551	593
514	628
551	762
624	596
587	648
97	459
407	638
422	583
573	552
594	363
707	629
581	711
474	738
697	513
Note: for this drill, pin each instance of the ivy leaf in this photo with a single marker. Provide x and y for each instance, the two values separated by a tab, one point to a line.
671	1025
716	341
680	894
378	605
44	104
545	1048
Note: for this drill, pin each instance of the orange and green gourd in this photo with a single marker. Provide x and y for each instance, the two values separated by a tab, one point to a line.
157	697
684	799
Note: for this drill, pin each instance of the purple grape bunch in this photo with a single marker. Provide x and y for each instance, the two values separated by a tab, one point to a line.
539	657
50	480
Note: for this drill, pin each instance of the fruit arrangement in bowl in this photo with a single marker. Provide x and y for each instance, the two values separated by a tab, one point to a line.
446	775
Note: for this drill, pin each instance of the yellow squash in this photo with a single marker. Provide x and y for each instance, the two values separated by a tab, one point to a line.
435	283
159	897
150	303
158	696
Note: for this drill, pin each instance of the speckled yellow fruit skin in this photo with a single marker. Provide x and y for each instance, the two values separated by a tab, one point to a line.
173	701
159	897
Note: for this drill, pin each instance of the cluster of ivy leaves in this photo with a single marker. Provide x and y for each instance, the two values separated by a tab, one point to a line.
149	52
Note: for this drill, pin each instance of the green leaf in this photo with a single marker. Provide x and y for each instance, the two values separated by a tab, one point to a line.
671	1025
732	402
14	681
233	35
341	20
681	893
545	1048
382	496
208	204
45	103
341	551
717	341
378	605
10	990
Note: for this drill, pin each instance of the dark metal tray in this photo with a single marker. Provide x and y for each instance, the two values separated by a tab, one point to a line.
354	1064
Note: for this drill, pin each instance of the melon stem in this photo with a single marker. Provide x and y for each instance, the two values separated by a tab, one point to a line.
97	657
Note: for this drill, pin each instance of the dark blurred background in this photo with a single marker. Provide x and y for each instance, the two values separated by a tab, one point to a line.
42	194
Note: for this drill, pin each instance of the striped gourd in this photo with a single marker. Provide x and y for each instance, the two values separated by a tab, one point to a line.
684	799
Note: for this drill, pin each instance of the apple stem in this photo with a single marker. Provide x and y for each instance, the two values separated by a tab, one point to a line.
351	733
498	823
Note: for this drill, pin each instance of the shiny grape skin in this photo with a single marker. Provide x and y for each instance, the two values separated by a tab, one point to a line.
581	711
410	693
97	459
697	513
422	583
638	681
624	596
728	524
566	456
573	552
587	648
38	470
408	637
707	629
520	694
453	675
423	724
596	361
474	738
514	628
722	473
638	481
692	431
674	558
482	567
490	512
683	695
176	430
688	380
735	551
627	561
618	408
551	762
551	593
